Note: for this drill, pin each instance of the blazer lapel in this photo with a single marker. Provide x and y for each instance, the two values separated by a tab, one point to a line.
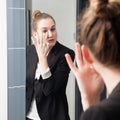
53	55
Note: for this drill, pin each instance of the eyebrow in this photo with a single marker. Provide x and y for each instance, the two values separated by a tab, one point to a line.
46	27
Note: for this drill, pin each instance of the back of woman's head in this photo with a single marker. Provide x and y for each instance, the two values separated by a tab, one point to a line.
37	16
100	30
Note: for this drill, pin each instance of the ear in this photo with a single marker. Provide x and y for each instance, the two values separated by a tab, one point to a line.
86	54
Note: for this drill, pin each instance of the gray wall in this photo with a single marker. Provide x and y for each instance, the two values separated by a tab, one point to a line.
16	62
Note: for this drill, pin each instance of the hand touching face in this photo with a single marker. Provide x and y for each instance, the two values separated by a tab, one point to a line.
46	36
42	47
47	28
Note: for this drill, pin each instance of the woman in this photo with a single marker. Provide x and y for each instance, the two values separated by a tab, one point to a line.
98	60
47	72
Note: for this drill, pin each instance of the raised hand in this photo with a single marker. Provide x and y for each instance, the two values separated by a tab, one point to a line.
42	49
89	81
41	46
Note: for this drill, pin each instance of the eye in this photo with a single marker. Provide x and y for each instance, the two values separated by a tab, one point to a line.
44	31
53	29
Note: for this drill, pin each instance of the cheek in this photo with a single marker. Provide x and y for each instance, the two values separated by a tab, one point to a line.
55	35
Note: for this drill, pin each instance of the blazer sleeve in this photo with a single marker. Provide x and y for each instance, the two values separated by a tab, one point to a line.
59	78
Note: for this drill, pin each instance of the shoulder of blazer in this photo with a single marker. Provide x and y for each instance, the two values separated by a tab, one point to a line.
31	53
30	49
60	49
58	53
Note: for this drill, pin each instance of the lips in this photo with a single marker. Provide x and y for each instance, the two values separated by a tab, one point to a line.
50	40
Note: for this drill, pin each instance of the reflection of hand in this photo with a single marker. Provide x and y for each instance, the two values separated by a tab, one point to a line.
42	49
41	46
89	81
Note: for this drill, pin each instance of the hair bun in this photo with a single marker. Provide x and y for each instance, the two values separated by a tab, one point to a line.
35	14
103	8
96	4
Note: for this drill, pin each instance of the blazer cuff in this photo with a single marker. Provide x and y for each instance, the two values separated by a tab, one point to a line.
46	74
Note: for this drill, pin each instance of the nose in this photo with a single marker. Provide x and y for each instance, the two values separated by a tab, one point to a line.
50	33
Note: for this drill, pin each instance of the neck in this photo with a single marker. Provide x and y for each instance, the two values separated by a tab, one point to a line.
111	77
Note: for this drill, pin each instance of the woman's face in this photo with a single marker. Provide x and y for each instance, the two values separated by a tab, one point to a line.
46	30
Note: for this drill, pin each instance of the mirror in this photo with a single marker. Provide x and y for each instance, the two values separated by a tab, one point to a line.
65	14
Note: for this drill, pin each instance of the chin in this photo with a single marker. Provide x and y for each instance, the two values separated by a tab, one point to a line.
52	44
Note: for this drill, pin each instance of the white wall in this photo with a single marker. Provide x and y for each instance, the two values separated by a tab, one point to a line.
3	61
64	12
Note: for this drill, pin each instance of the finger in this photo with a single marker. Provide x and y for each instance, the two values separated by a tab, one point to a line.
70	63
41	39
34	41
44	48
47	48
78	54
45	36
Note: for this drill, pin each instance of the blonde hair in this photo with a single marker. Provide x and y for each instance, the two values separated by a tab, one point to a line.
36	16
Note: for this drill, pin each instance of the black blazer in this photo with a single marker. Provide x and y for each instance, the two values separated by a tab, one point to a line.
50	93
108	109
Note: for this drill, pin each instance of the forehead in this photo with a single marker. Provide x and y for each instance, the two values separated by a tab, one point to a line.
48	22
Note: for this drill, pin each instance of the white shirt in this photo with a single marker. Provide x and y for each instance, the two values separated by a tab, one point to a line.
33	114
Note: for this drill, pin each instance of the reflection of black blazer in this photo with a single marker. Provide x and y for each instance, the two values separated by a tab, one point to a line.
50	94
108	109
